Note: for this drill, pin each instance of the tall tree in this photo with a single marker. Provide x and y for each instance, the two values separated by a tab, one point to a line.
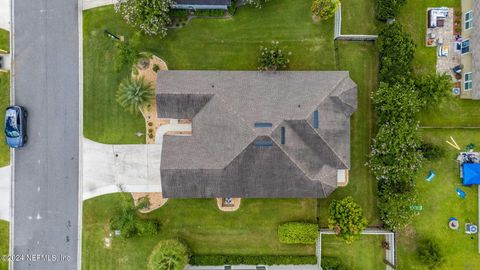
149	16
346	218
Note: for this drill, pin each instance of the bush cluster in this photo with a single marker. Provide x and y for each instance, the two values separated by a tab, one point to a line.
387	9
252	260
209	13
332	263
128	222
273	58
429	253
345	217
432	151
396	49
168	255
324	9
395	156
298	233
179	13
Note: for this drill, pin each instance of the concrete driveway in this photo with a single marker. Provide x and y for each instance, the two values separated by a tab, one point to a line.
115	168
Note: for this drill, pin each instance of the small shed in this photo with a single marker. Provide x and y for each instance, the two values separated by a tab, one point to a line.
471	174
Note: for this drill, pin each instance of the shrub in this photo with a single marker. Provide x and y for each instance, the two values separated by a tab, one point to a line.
324	9
395	209
346	218
155	68
387	9
432	88
178	13
132	94
272	58
396	50
126	55
130	224
332	263
432	151
149	16
256	3
429	253
252	260
396	102
168	255
298	233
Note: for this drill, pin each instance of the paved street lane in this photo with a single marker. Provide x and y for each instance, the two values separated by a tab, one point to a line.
46	171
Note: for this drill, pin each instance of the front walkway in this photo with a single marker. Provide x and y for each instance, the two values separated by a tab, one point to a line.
89	4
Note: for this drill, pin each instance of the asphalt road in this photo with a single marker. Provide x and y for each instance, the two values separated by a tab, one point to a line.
46	170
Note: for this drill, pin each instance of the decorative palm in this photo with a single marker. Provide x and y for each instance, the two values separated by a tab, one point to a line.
134	93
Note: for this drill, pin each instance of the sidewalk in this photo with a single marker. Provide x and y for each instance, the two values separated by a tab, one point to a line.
5	193
89	4
5	14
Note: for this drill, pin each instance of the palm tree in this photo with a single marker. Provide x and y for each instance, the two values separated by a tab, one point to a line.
132	94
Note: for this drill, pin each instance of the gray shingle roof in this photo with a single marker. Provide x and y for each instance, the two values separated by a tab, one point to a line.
475	48
221	159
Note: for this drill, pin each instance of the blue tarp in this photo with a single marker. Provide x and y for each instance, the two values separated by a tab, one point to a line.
471	174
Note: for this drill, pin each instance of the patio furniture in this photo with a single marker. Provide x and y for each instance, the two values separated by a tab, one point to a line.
456	91
458	69
442	50
453	223
471	228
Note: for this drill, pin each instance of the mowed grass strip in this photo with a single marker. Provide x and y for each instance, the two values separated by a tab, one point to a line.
252	230
360	58
4	236
4	40
364	253
440	202
224	44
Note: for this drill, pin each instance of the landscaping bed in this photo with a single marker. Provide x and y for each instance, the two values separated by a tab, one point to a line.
252	230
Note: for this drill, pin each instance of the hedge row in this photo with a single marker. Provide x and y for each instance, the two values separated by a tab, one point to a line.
387	9
298	233
252	260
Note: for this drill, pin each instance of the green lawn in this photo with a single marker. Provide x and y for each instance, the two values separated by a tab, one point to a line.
365	253
4	40
440	202
226	44
4	102
249	231
3	243
358	17
361	59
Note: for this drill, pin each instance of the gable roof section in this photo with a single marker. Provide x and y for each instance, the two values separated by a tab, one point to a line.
224	128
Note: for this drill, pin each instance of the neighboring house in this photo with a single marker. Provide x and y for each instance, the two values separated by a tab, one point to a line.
202	4
471	49
256	134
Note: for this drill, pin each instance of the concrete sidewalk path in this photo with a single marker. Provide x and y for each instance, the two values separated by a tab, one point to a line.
5	192
89	4
5	14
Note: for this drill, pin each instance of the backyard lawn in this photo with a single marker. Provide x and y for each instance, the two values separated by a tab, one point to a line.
249	231
361	59
226	44
364	253
4	40
3	243
358	17
440	202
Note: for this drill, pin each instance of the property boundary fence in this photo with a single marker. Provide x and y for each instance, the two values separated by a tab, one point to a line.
390	253
338	30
